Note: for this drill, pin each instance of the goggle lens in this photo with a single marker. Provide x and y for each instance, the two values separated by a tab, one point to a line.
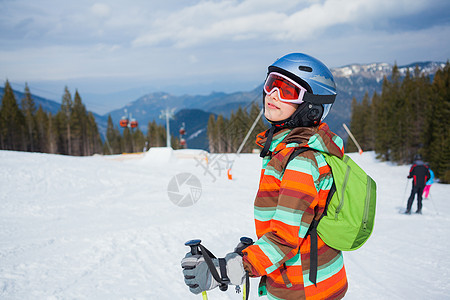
288	90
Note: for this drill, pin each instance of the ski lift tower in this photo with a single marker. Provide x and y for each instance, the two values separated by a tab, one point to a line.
167	114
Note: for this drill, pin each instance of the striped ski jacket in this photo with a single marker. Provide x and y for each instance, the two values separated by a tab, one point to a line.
288	199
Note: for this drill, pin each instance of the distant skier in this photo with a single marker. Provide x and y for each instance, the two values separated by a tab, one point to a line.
420	174
430	181
297	95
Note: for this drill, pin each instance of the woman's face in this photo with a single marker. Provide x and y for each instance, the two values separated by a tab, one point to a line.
276	110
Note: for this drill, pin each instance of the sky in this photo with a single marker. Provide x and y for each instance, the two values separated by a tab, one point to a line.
199	46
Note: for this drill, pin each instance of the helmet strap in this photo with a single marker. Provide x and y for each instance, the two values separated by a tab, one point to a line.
269	136
306	115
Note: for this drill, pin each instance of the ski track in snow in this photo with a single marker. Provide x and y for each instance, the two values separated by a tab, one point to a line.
103	227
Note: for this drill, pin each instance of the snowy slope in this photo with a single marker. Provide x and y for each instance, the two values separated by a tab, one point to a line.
104	227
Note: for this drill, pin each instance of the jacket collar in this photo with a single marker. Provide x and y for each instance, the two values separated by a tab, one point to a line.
320	138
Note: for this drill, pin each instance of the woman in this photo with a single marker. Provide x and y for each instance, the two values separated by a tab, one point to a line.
298	94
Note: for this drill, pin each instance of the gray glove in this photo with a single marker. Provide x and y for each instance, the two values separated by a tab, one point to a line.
199	278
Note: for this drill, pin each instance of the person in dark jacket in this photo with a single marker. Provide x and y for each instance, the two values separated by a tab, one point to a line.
420	174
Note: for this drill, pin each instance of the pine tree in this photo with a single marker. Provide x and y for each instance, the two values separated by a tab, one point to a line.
127	141
29	111
354	125
229	132
156	135
361	125
113	137
175	142
406	117
439	149
12	122
211	132
240	127
41	130
78	126
372	122
382	122
60	130
138	140
162	134
53	134
65	119
93	140
367	126
396	103
260	127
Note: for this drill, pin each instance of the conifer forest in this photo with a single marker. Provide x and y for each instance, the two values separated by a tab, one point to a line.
409	117
71	131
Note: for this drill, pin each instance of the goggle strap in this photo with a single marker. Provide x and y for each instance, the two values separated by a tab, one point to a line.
318	99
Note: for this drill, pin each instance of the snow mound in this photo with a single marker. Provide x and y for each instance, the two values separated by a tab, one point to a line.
190	154
159	155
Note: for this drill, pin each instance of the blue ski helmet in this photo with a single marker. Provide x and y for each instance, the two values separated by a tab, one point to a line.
315	77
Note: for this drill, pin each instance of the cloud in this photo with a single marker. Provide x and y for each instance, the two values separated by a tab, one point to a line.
209	22
193	23
213	39
101	10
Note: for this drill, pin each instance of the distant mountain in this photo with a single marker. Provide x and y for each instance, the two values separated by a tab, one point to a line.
354	80
148	108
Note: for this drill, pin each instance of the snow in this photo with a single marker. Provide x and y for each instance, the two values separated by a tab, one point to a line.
104	227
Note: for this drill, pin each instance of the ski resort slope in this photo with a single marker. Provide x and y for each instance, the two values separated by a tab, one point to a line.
106	227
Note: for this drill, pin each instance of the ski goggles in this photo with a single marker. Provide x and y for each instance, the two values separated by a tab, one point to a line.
288	90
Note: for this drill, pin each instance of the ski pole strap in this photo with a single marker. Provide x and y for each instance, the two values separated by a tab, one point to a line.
207	255
223	270
313	253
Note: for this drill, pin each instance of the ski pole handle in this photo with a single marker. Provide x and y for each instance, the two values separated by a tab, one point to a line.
243	243
194	244
246	240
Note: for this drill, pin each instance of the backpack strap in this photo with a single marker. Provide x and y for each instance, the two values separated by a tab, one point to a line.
312	230
297	153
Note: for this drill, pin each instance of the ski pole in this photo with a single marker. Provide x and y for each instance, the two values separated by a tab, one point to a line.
245	241
194	244
434	206
404	194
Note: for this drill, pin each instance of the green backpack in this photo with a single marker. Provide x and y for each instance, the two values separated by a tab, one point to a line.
349	215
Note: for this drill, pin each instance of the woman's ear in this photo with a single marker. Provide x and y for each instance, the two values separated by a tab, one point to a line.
315	113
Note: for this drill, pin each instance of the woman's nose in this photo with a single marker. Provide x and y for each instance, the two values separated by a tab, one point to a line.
274	95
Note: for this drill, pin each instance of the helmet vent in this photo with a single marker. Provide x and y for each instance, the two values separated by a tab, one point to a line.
305	68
